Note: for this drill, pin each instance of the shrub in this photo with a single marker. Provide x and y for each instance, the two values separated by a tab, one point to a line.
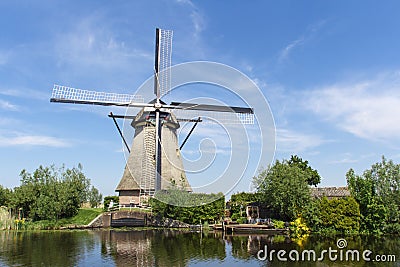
107	201
242	220
392	228
278	224
299	228
192	208
339	215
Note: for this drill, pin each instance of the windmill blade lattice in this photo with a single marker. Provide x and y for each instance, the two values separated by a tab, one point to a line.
67	94
163	61
215	117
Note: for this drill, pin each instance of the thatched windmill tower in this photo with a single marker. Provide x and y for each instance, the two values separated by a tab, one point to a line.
154	161
138	180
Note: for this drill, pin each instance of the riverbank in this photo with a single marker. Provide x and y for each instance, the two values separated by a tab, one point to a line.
81	219
88	218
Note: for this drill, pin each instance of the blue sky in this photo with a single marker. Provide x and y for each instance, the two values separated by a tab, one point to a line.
330	72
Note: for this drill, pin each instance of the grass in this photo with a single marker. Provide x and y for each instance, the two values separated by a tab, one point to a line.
136	209
84	216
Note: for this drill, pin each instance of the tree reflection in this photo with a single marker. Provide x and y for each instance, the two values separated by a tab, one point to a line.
44	248
161	247
174	248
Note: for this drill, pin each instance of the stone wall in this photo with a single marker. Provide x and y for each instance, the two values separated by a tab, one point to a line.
103	220
158	221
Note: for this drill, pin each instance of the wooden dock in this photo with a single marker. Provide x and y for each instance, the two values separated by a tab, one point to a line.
249	228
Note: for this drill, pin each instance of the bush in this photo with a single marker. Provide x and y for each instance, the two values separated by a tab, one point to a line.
392	228
235	216
192	208
239	201
107	201
339	215
299	228
278	224
242	220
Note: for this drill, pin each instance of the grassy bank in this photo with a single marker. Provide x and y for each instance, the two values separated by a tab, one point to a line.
84	217
136	209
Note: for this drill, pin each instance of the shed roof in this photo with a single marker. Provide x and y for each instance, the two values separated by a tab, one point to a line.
330	192
127	183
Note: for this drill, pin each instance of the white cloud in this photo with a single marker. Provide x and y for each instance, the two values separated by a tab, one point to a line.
286	51
188	2
304	38
196	17
368	109
344	161
33	140
25	93
198	23
5	105
88	44
294	142
350	158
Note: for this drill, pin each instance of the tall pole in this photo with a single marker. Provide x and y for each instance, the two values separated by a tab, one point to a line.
157	66
158	152
157	110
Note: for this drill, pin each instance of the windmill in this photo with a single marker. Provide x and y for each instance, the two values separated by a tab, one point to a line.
154	161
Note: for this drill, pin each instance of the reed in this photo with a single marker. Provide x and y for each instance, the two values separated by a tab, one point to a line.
6	220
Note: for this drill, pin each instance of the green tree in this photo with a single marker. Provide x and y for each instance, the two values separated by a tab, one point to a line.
94	197
377	191
80	184
50	194
239	201
5	195
386	178
313	178
284	187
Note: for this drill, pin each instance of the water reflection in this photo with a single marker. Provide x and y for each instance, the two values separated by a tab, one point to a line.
45	248
161	247
172	248
246	247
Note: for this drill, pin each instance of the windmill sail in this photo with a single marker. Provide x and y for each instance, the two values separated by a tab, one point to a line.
65	94
162	64
212	117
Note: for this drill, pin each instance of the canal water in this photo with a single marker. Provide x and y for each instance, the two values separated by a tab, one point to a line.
182	248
